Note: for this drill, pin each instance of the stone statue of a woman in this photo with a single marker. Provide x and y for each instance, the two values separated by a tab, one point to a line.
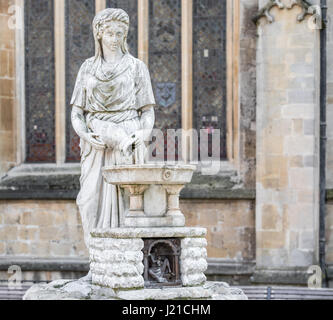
113	114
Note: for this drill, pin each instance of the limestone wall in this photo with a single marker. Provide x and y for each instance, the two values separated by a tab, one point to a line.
329	232
230	226
287	142
7	89
41	229
51	229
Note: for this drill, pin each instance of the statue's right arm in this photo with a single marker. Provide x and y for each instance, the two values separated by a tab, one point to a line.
80	127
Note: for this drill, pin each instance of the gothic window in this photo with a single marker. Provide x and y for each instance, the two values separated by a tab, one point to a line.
163	51
79	47
39	81
209	68
165	64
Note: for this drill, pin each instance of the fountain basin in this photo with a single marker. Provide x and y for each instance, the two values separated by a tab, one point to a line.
148	174
153	191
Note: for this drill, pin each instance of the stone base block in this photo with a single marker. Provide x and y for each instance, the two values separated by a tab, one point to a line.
85	290
120	257
153	222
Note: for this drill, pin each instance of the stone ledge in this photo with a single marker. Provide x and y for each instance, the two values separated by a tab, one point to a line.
229	267
215	266
51	182
219	267
39	182
286	276
45	264
121	233
204	192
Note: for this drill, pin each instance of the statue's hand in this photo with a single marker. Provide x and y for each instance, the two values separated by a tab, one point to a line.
142	135
94	140
126	146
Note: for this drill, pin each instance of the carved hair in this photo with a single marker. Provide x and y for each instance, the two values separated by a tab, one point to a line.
100	23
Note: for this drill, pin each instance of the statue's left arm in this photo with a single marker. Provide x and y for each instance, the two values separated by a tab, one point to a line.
147	121
145	102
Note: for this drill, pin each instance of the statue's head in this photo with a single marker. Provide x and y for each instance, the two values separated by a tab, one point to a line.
110	28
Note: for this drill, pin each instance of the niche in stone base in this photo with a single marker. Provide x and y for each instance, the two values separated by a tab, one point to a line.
161	263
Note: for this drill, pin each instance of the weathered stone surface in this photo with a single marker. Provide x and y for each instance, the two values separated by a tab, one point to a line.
230	226
42	229
116	255
84	290
149	174
154	222
155	201
137	180
236	233
193	261
123	233
120	267
287	163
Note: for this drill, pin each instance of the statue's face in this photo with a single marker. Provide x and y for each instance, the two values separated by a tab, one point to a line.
113	36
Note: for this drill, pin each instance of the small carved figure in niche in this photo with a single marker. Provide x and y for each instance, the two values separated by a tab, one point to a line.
160	269
161	262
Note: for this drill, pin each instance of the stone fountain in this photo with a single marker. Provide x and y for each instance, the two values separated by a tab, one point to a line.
152	255
134	229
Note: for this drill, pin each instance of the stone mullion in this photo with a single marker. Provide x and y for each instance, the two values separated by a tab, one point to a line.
187	75
20	87
100	5
60	83
143	30
233	51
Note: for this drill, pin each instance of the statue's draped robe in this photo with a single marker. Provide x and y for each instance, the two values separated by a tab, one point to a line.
111	98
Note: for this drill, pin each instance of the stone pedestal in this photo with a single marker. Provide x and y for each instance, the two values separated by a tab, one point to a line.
117	256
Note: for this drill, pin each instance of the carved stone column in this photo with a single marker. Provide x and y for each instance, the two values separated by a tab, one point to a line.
136	198
173	192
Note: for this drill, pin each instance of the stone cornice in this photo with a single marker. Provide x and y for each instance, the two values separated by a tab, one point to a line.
51	182
265	11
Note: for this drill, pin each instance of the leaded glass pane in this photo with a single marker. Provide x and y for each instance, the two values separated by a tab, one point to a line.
131	7
39	81
165	64
209	67
79	46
